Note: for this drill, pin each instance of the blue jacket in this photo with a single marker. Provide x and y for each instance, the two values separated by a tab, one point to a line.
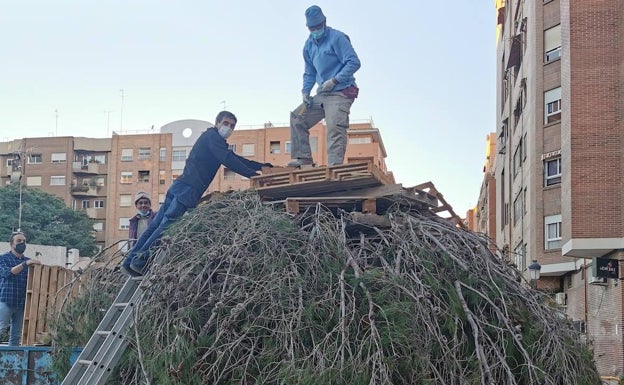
332	56
209	152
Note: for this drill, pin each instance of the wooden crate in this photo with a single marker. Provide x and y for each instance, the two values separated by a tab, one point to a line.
46	288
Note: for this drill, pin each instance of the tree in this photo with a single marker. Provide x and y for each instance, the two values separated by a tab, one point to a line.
45	220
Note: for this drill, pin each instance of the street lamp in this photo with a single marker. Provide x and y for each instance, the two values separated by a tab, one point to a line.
534	272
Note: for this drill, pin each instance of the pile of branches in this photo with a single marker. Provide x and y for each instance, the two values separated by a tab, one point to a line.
251	295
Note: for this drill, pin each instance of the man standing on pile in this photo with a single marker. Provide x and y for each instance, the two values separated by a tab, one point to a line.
209	152
144	216
13	277
330	61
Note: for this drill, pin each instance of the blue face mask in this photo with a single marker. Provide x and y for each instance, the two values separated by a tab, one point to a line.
143	213
316	35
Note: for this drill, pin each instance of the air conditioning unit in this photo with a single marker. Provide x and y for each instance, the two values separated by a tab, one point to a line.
560	299
598	280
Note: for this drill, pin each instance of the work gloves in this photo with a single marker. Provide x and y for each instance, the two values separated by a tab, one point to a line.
307	99
328	85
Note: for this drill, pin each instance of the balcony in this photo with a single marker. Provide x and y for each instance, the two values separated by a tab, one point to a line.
100	236
85	191
99	213
93	168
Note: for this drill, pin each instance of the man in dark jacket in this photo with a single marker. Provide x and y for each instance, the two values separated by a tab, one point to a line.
144	216
209	152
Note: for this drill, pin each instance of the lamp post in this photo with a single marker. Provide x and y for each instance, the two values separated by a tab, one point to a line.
534	273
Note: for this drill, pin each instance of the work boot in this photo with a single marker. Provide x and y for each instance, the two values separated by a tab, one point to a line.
298	162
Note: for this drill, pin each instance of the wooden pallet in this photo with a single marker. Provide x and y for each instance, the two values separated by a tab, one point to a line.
319	180
376	200
45	289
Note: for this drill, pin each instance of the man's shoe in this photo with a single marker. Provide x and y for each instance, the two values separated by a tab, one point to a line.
138	266
129	272
301	162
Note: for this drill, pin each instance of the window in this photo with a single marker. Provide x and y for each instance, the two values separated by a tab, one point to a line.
98	204
314	144
57	180
552	43
517	159
232	147
126	177
124	223
552	172
519	253
552	232
126	155
274	148
518	207
101	159
86	204
144	175
145	153
161	198
175	174
179	155
287	146
125	200
249	149
552	105
98	226
162	176
100	181
59	157
360	140
35	158
228	174
33	181
163	154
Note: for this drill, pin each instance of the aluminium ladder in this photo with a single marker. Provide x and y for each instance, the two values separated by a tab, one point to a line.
109	341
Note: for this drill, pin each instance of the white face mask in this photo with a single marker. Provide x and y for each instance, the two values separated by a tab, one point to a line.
225	131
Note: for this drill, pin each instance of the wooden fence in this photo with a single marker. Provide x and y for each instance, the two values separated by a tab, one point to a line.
47	288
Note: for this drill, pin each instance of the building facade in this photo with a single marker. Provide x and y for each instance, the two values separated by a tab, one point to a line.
558	169
102	176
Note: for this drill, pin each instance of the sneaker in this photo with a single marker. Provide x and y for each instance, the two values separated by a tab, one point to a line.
137	266
300	162
129	272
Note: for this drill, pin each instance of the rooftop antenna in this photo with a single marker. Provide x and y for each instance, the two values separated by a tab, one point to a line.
107	113
223	102
56	123
121	91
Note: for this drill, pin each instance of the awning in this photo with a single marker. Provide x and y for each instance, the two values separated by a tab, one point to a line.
558	269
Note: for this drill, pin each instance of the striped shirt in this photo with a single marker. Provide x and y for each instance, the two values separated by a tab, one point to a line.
12	287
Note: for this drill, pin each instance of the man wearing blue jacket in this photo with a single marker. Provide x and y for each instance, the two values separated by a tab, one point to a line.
330	61
209	152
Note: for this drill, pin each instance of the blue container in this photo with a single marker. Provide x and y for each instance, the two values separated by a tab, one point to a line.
29	365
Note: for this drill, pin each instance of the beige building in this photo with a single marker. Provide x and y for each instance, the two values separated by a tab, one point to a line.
559	169
101	176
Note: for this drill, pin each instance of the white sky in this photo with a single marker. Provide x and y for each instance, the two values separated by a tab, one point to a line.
427	75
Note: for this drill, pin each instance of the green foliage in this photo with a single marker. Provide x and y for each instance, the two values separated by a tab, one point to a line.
45	220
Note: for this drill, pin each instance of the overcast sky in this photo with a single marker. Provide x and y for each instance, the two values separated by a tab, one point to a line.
427	76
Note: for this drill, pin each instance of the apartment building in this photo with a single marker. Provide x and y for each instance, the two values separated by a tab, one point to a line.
74	169
559	161
101	176
482	218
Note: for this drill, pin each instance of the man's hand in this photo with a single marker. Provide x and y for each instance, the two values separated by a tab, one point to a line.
307	99
328	85
33	262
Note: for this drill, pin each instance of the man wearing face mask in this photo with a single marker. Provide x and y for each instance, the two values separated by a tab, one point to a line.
330	61
144	216
209	152
13	277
